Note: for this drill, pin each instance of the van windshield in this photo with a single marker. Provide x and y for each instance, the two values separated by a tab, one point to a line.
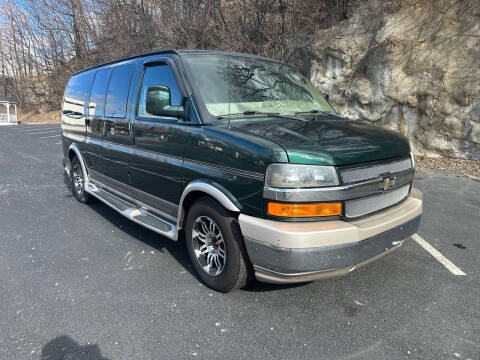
253	85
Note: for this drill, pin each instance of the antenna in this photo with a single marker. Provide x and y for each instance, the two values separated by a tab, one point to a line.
229	105
229	94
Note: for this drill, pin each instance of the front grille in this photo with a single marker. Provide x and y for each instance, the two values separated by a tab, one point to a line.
369	204
356	174
401	171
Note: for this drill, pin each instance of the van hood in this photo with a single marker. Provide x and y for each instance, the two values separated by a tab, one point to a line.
327	139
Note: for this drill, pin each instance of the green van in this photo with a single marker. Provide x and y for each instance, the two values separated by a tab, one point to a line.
243	159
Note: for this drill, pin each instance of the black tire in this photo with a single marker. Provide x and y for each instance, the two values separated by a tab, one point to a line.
237	270
77	181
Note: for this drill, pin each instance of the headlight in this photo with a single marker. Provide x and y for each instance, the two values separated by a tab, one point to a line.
413	160
300	176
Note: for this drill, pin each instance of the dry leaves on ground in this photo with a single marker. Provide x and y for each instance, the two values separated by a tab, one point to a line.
470	168
48	117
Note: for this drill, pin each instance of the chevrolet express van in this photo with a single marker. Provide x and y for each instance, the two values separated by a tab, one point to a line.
243	159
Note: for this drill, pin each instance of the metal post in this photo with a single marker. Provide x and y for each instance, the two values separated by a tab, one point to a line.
8	113
16	115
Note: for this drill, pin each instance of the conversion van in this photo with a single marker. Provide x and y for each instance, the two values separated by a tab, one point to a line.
243	159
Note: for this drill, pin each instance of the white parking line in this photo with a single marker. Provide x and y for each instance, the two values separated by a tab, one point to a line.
39	125
42	132
45	137
455	270
42	123
20	128
38	129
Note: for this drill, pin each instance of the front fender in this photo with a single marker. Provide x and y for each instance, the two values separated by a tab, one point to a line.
215	190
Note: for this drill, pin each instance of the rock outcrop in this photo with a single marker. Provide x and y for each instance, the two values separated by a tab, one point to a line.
410	66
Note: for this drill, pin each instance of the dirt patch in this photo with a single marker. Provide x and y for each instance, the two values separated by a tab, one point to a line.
48	117
469	168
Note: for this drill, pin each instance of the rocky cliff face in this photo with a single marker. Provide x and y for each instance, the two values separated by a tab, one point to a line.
408	66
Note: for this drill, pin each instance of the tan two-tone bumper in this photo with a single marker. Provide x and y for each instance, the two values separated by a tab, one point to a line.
285	252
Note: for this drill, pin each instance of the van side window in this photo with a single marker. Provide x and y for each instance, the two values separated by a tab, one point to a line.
76	93
158	76
117	94
96	104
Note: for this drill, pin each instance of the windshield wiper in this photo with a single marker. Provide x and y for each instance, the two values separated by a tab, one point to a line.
247	112
314	111
254	112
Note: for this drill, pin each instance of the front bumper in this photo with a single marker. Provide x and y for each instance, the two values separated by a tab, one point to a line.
287	252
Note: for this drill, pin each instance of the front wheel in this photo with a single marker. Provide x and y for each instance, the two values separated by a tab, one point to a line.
215	246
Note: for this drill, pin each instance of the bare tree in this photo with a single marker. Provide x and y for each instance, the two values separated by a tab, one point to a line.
45	40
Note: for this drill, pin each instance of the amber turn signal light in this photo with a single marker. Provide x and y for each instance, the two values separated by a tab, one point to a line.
304	210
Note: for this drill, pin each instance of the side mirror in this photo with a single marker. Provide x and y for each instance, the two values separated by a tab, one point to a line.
158	102
326	96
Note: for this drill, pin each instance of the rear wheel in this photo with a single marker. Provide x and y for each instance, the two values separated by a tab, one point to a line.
215	246
78	181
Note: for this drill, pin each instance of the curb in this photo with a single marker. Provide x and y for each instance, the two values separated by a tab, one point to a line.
476	178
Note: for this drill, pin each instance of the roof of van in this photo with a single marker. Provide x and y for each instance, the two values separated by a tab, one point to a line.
172	51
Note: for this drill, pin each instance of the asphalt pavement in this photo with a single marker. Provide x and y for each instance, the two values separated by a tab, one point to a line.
81	282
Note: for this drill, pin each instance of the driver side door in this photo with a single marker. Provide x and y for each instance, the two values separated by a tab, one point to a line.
158	139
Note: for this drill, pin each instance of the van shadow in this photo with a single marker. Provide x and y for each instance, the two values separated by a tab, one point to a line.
65	348
162	244
175	248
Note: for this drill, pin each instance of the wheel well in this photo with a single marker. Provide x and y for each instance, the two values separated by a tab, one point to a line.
190	199
71	154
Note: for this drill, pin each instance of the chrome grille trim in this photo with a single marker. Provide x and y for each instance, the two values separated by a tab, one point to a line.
362	173
369	204
335	193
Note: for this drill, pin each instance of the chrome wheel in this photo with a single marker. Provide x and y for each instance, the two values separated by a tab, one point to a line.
77	177
208	245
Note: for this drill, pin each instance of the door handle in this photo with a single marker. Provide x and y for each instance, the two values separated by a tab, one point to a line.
132	134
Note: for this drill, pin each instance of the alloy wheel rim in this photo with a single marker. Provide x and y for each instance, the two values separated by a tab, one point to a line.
209	245
77	179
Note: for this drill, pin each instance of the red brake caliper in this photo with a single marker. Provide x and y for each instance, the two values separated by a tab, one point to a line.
214	243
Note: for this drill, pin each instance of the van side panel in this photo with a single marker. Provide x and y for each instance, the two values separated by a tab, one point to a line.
75	102
116	128
232	159
95	119
74	109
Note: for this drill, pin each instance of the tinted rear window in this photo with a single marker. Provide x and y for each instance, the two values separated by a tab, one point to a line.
117	94
99	91
76	93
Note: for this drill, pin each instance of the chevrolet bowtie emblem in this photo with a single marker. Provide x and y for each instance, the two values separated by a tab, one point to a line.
386	183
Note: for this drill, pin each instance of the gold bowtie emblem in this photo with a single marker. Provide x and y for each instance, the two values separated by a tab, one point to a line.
386	183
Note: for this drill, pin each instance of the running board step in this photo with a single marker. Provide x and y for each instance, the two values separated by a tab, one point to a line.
133	212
